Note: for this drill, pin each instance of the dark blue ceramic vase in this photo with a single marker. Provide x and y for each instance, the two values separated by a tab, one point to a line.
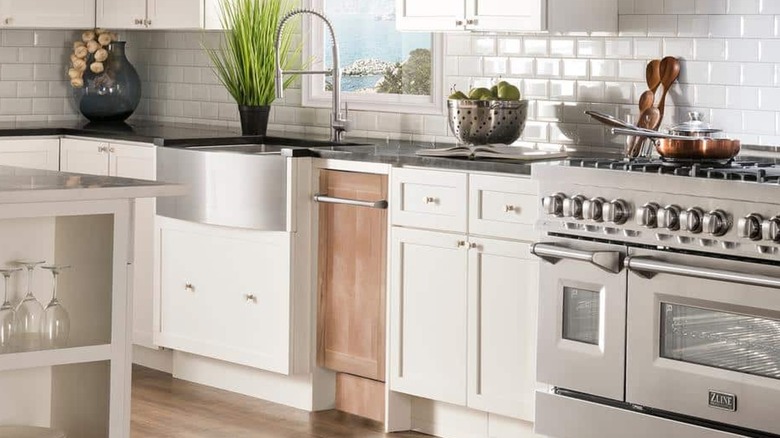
113	94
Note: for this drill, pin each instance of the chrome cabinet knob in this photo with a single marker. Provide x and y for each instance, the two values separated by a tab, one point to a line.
553	204
669	217
250	298
770	229
189	287
572	207
647	215
691	220
429	200
749	227
592	209
138	21
716	223
616	212
458	22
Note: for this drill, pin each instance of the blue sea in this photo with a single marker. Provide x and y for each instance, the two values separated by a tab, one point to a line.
369	35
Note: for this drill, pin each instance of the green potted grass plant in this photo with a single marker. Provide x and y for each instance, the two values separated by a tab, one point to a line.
245	60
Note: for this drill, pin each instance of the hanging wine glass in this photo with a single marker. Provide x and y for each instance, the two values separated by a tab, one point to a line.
55	324
28	314
7	314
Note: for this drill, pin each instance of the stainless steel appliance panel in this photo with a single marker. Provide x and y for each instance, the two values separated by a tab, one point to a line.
582	316
704	338
227	189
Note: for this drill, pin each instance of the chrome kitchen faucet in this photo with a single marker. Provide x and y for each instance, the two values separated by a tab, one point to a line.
338	125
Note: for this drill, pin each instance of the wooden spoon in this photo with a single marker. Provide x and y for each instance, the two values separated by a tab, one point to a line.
649	118
646	100
670	68
653	74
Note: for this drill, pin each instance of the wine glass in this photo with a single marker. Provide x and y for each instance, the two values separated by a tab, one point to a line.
28	313
7	314
55	324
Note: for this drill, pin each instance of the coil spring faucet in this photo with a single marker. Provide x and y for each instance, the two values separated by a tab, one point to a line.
338	125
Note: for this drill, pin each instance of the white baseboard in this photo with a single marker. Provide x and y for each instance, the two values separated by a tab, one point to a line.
158	359
450	421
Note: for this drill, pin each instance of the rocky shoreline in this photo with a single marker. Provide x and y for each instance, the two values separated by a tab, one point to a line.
367	67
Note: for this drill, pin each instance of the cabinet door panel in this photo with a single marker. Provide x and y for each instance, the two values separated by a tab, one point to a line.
353	244
503	290
84	156
49	13
175	14
32	153
428	315
132	161
515	15
429	15
120	14
225	294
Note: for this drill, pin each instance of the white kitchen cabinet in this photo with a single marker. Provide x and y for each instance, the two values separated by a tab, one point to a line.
502	303
72	14
502	15
30	152
225	294
150	14
99	157
463	306
428	315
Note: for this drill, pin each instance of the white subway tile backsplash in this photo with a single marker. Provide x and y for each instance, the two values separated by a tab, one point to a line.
724	73
693	25
710	6
549	111
509	46
494	66
618	48
521	66
603	68
632	25
16	72
590	48
679	6
757	26
458	44
743	50
769	7
647	48
709	50
619	92
710	96
484	45
563	90
769	99
649	7
759	122
680	47
725	26
758	74
742	97
548	67
661	25
590	91
575	68
770	50
625	7
742	6
632	69
535	88
536	46
563	47
470	66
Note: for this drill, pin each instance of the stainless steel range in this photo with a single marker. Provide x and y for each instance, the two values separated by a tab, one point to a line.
659	300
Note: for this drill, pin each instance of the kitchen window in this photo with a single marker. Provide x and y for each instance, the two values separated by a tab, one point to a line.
382	69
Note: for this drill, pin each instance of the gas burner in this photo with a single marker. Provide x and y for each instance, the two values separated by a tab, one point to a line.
754	171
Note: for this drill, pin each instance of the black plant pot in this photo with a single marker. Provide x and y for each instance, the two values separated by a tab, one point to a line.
254	119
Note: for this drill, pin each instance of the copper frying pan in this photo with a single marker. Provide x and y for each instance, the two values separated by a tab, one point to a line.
679	147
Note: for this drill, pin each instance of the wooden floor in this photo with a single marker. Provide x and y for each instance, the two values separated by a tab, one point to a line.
166	407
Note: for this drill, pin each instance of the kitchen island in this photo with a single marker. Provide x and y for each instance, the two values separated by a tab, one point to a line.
83	387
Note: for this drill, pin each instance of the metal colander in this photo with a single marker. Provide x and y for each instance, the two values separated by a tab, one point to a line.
487	121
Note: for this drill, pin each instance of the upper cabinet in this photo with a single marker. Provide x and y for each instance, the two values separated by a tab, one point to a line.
150	14
47	14
507	16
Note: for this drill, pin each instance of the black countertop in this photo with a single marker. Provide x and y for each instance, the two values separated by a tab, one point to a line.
393	152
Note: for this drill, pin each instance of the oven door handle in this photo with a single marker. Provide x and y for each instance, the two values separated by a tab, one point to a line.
610	261
649	267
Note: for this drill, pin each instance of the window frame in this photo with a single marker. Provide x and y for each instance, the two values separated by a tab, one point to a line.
311	96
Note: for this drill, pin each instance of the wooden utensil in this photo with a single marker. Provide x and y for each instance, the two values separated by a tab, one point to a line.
653	75
646	100
649	118
670	71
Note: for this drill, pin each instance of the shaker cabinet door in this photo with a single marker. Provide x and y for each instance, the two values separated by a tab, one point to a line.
428	330
31	153
84	156
503	291
71	14
175	14
121	14
515	15
429	15
133	161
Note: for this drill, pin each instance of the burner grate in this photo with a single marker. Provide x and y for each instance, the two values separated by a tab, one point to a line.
752	171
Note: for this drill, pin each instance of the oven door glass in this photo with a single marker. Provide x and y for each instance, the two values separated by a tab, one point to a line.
703	338
582	311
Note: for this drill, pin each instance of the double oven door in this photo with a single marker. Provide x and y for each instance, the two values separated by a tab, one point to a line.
704	338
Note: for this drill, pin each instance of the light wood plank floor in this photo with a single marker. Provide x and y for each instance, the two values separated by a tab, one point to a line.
164	407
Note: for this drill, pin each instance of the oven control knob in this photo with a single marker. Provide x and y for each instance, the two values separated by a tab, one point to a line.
572	207
691	219
716	222
592	209
770	229
647	215
749	227
616	211
669	217
553	204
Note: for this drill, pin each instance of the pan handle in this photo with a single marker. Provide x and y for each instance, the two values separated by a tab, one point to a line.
652	134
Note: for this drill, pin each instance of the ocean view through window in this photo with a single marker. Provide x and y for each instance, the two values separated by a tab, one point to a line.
382	68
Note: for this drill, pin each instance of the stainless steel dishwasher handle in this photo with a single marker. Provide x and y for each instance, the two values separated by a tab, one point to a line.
648	267
325	199
606	260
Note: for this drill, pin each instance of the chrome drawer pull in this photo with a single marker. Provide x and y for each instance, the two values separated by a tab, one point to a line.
325	199
250	298
430	200
189	287
510	208
609	261
647	267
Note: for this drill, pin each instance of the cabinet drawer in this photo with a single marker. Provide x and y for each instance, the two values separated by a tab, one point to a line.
429	199
225	294
503	207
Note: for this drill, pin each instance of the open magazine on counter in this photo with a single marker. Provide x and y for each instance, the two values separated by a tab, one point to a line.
492	151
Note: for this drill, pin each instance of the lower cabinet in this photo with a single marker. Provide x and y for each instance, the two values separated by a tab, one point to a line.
225	294
463	305
32	153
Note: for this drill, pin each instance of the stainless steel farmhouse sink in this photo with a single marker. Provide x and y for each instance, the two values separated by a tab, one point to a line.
233	185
